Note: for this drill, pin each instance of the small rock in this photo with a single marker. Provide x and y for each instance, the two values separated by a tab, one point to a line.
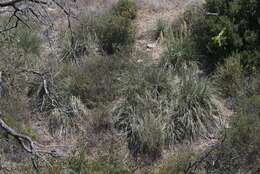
151	46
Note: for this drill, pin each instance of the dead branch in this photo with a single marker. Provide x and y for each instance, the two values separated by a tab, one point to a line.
18	10
36	150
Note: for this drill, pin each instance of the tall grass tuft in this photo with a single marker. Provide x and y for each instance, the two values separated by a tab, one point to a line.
162	107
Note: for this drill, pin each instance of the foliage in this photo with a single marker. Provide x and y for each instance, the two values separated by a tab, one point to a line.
115	32
230	76
82	164
95	81
230	26
161	107
162	27
180	50
240	151
82	42
29	40
177	164
196	111
125	8
111	31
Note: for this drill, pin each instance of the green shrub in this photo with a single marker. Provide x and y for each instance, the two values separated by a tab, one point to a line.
229	27
138	114
95	81
115	32
125	8
250	61
111	31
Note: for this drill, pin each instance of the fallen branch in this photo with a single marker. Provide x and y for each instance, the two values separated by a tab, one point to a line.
28	144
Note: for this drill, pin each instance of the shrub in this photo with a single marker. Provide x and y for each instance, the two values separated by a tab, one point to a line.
230	76
229	27
250	61
110	31
125	8
115	32
239	153
83	41
95	81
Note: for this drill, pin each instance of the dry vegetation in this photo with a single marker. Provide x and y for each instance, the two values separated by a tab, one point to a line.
129	87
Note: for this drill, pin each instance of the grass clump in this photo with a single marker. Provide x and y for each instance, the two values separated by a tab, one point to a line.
230	76
83	41
29	40
179	50
162	28
161	107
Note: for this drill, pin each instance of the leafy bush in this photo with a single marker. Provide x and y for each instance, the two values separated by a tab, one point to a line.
115	32
229	27
250	61
125	8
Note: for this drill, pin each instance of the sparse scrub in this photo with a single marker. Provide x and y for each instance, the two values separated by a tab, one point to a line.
177	164
82	164
240	150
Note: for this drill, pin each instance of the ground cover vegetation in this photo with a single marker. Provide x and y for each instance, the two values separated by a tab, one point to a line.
97	92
